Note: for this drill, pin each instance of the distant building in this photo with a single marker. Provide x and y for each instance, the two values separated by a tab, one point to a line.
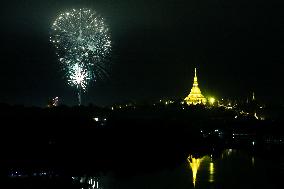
195	96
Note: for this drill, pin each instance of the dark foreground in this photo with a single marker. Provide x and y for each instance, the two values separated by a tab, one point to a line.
66	147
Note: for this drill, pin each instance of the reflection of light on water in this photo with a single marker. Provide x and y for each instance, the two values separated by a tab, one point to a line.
89	182
229	152
93	183
252	161
194	164
211	172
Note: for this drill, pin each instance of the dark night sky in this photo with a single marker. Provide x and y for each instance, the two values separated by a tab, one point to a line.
237	46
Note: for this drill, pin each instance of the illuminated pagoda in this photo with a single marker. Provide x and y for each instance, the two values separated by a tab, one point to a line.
195	96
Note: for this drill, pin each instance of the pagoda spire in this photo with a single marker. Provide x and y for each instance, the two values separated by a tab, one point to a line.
195	82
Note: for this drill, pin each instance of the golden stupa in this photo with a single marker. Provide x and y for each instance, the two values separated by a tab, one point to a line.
195	96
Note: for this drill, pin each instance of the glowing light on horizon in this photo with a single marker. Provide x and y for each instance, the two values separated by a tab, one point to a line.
212	100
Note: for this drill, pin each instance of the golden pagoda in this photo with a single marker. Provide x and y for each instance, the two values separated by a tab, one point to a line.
195	96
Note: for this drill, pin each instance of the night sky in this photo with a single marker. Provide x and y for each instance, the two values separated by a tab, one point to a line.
237	46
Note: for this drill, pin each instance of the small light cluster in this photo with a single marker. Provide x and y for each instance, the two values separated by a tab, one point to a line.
53	102
100	120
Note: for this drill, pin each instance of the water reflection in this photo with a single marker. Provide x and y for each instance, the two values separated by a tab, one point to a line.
226	169
211	172
204	161
194	164
252	160
93	183
88	182
237	169
228	151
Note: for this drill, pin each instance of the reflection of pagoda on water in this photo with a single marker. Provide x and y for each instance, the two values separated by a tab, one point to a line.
195	96
194	164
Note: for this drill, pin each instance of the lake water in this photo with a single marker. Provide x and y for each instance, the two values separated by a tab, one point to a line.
231	169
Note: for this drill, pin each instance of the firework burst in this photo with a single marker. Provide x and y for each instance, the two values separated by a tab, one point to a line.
79	77
82	43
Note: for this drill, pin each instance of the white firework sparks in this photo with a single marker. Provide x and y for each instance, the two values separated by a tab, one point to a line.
82	43
79	77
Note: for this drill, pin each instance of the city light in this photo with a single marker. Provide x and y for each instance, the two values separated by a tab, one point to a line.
212	100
